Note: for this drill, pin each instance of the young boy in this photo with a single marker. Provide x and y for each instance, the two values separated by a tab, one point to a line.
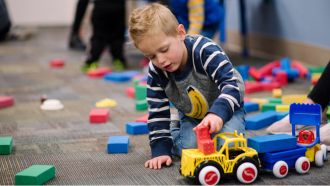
190	71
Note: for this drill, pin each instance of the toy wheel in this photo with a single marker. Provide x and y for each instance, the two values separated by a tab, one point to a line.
302	165
319	155
247	172
209	175
280	169
325	152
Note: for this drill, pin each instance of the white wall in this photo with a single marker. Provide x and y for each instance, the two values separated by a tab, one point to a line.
41	12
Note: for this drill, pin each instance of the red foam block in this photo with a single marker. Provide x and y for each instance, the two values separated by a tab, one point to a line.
57	63
6	101
99	72
143	118
99	116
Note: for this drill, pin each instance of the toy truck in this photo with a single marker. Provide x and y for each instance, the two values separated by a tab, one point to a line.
234	157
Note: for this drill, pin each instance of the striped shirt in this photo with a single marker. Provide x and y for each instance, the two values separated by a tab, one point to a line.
206	58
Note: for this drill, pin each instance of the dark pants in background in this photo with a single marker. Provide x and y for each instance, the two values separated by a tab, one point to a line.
5	22
108	21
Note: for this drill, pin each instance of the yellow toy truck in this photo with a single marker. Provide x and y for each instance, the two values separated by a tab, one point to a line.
234	157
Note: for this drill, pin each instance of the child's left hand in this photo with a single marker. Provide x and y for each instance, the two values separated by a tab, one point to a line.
214	122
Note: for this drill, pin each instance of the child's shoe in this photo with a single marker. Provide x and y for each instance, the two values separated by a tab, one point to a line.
118	65
86	67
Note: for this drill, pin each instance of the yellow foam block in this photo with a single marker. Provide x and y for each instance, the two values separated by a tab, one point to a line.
106	103
294	98
277	93
282	108
316	76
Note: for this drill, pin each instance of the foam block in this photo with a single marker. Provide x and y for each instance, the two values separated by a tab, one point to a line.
56	63
35	175
118	144
260	120
143	118
99	116
272	143
6	101
137	128
99	72
6	145
251	107
130	92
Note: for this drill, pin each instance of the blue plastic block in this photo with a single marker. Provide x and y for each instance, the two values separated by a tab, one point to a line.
285	64
272	143
120	76
251	107
280	115
260	120
244	71
289	156
305	114
118	144
137	128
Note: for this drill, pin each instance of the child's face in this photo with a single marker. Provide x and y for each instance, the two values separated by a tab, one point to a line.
168	53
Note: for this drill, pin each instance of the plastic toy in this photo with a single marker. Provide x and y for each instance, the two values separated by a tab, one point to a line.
277	93
251	107
143	118
35	175
6	145
260	120
120	77
6	101
99	72
234	157
99	116
272	143
105	103
204	142
118	144
56	63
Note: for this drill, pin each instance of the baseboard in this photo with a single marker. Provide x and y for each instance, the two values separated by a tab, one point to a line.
270	47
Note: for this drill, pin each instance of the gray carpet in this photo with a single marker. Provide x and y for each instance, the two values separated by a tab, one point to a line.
65	138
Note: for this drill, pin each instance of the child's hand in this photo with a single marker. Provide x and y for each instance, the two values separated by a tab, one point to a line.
214	122
156	163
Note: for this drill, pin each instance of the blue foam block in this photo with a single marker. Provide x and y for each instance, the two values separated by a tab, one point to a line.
137	128
120	76
272	143
260	120
118	144
251	107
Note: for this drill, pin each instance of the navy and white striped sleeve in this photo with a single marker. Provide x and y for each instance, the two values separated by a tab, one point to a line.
216	64
159	115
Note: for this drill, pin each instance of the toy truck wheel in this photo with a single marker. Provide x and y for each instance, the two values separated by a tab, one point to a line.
325	152
209	175
319	156
302	165
280	169
247	172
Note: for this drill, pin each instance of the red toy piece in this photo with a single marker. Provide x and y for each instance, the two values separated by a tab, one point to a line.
57	63
267	69
143	118
130	92
251	87
99	72
303	71
282	78
306	137
204	142
6	101
99	116
253	72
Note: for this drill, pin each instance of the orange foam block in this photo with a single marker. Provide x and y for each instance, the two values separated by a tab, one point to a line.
99	116
6	101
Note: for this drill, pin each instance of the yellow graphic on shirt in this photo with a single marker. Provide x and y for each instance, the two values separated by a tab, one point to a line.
199	105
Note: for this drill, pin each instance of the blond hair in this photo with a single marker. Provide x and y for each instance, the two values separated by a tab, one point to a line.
150	20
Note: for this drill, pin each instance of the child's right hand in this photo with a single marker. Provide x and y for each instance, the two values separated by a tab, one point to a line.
156	163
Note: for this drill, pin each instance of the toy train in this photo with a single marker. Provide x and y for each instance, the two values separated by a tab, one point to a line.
246	157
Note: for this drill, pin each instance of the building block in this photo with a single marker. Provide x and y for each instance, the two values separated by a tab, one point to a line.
118	144
244	71
99	116
268	106
267	69
253	72
277	93
251	87
137	128
260	101
204	142
272	143
260	120
130	92
105	103
35	175
282	108
293	98
99	72
141	105
6	145
56	63
280	115
251	107
143	118
270	86
120	77
140	92
6	101
281	77
274	100
303	71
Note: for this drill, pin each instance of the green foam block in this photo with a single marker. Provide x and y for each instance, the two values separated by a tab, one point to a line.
35	175
6	145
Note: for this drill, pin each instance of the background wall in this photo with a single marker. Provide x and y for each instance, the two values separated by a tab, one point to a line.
294	22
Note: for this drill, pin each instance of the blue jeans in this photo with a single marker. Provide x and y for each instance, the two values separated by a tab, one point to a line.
185	138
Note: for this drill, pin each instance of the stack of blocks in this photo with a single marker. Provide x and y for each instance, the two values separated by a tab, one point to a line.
118	144
204	142
137	128
35	175
99	116
6	145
